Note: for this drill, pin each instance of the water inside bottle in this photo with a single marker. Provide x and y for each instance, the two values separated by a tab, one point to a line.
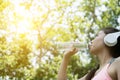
68	45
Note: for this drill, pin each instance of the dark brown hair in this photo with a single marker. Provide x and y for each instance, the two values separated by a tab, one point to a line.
114	51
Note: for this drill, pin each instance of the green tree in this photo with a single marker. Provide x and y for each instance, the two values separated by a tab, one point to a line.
30	29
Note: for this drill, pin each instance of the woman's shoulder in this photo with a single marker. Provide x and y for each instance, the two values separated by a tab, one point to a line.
118	58
114	68
116	61
116	64
117	67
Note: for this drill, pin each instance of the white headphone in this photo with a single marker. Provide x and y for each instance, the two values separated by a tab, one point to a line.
111	39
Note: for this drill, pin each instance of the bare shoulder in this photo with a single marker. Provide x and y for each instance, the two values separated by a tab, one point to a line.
118	58
117	68
114	69
116	63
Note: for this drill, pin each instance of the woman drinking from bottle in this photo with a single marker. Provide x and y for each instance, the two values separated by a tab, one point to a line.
106	46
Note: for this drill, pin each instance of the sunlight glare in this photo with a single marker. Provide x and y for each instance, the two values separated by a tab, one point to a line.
23	26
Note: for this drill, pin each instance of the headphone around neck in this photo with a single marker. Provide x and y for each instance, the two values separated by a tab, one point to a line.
111	39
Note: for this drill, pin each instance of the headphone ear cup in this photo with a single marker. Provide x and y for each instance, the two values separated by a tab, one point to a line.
110	39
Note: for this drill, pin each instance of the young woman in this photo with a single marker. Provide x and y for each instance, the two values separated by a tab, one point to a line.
109	60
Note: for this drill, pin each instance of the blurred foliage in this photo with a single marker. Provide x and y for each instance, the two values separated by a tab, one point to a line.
29	30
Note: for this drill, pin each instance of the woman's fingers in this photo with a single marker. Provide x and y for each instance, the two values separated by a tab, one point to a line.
71	52
74	50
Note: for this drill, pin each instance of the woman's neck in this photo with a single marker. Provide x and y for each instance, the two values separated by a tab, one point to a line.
104	57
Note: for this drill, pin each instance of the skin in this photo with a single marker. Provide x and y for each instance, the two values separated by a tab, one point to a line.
99	49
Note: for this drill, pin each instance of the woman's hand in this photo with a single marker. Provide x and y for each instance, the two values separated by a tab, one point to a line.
70	53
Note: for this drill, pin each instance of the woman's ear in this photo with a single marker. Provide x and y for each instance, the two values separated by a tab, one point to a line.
111	39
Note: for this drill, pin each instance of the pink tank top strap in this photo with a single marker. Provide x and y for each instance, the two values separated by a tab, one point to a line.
103	74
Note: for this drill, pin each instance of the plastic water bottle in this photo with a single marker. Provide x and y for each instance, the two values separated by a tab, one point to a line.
64	46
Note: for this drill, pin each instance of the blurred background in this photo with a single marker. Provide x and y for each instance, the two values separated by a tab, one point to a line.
29	30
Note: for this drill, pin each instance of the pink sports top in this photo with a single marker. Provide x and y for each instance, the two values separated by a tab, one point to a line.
103	74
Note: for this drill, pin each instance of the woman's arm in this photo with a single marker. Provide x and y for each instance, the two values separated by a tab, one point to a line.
62	74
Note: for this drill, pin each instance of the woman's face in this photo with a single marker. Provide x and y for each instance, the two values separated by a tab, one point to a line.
97	44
